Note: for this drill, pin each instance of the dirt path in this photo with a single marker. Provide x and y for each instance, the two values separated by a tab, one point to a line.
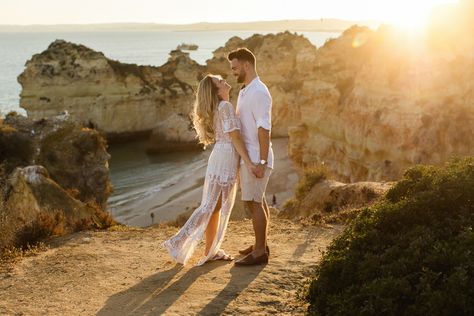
127	273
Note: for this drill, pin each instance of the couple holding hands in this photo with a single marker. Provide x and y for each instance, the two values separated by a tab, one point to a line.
241	138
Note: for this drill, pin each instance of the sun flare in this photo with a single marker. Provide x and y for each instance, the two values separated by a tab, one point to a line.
411	15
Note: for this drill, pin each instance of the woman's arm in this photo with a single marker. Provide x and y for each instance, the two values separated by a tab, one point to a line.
240	147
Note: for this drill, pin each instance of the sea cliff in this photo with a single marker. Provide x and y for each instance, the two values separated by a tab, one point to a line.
367	104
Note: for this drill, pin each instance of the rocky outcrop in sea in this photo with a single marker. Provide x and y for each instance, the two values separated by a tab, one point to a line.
122	100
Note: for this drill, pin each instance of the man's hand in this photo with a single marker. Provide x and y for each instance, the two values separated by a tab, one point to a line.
260	170
251	168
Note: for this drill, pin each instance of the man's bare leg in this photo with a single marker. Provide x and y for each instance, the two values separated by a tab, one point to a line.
267	212
260	222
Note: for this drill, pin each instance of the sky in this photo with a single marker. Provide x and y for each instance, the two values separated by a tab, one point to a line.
25	12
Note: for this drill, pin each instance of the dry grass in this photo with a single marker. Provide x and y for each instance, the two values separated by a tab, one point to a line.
44	225
341	216
311	176
75	193
103	219
11	255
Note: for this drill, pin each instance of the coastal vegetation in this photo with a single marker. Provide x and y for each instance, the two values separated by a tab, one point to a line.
411	254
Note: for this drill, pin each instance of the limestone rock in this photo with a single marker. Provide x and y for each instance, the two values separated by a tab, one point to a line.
54	179
32	191
173	134
384	102
75	157
329	197
117	98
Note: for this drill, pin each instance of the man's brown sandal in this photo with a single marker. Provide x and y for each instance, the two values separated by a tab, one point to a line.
250	260
249	250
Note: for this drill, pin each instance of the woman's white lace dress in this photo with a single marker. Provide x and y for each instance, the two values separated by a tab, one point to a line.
221	180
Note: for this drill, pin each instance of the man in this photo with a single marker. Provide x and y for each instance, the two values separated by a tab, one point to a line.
254	107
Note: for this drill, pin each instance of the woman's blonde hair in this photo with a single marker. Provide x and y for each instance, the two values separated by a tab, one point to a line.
206	102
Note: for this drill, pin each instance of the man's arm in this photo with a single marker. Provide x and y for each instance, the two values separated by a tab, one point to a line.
262	115
264	142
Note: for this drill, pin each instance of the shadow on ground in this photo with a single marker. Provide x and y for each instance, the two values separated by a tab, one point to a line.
154	295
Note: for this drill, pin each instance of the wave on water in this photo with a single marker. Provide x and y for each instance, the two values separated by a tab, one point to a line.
141	186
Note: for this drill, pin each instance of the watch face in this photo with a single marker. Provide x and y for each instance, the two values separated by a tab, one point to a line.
262	162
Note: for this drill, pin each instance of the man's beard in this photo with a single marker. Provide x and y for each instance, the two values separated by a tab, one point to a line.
241	77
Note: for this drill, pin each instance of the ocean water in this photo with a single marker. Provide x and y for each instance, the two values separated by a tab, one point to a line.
134	174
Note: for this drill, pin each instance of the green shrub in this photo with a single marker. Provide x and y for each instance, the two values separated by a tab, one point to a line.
412	254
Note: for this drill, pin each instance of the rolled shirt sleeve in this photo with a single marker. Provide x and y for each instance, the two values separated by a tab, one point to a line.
230	122
262	110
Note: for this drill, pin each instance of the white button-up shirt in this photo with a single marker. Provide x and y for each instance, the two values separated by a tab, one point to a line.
254	109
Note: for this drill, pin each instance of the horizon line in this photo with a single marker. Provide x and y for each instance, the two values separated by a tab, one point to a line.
192	23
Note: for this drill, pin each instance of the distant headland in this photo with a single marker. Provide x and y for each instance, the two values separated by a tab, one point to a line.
322	25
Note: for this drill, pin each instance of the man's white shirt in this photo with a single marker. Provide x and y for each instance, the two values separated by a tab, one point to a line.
254	108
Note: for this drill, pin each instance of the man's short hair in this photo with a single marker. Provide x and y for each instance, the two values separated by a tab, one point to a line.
242	54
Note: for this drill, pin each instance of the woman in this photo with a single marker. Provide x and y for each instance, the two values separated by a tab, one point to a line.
215	121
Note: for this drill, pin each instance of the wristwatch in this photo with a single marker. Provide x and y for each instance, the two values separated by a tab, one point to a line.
263	162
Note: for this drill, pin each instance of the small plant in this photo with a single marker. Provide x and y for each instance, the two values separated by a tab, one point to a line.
44	225
82	224
103	219
311	176
290	205
10	255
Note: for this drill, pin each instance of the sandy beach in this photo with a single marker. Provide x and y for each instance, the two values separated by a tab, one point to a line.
185	195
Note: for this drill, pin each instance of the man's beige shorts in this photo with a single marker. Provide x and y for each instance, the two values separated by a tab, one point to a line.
253	188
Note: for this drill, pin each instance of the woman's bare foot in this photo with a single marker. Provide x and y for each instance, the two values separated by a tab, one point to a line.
221	255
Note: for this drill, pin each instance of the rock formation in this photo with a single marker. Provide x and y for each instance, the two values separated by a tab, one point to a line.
173	134
368	104
329	197
50	171
32	191
119	99
123	99
385	102
75	157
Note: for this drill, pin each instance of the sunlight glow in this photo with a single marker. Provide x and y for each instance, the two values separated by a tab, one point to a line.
412	15
404	13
